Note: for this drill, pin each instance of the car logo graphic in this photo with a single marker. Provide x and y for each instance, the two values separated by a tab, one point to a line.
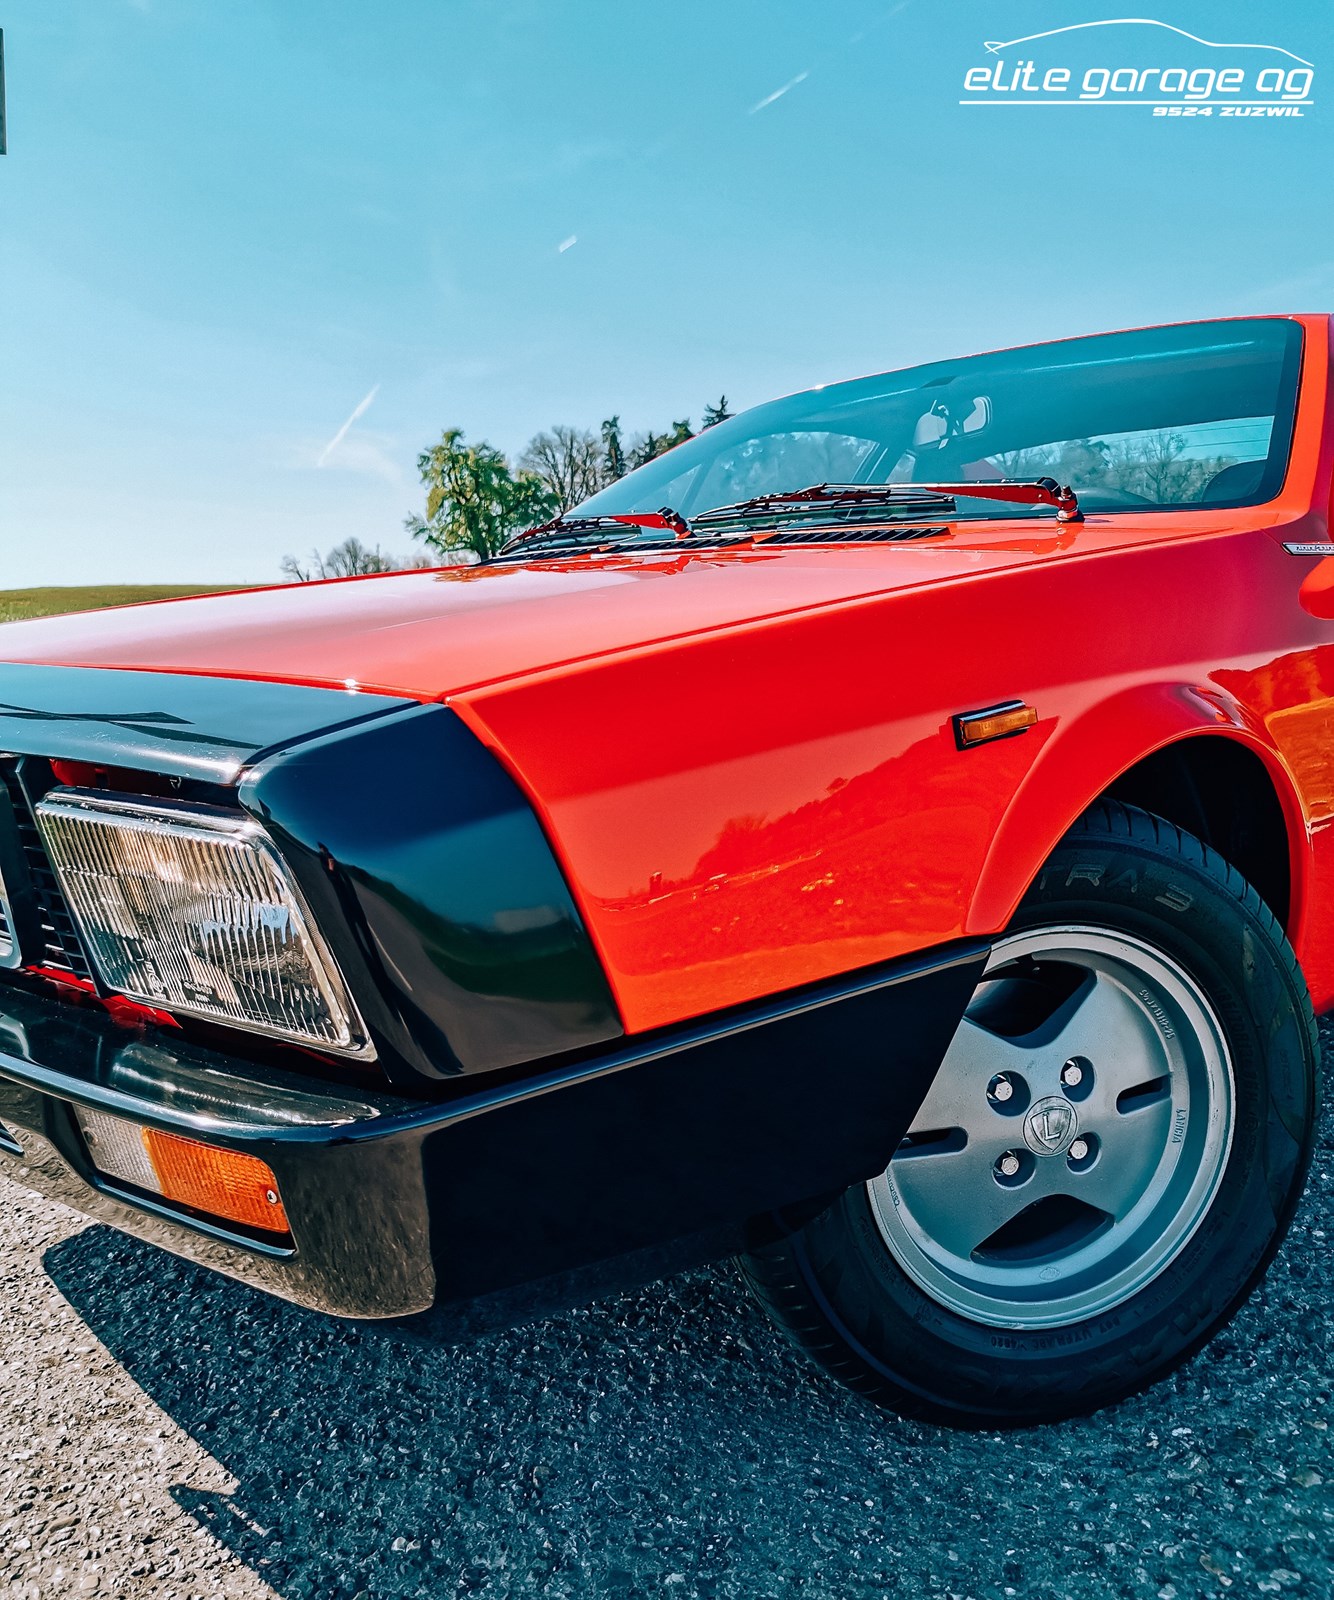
1050	1126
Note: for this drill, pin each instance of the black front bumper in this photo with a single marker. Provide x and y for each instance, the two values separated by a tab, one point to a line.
396	1205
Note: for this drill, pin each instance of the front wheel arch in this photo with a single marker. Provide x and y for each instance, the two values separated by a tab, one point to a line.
1221	791
1117	750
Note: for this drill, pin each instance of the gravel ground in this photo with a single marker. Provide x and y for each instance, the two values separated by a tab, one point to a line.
172	1434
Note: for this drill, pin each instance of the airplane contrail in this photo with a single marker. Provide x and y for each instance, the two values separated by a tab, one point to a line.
360	411
779	93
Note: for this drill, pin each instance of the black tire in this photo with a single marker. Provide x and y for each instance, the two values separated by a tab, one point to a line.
836	1288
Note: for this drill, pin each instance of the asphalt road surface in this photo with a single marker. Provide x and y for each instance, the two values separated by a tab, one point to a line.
167	1433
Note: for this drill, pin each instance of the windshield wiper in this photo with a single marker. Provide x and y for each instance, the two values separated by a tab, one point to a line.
907	499
564	530
931	499
1022	491
911	498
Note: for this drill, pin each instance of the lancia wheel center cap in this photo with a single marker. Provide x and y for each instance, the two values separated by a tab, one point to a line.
1050	1126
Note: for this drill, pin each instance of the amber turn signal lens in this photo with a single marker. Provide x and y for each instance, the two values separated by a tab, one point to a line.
223	1183
226	1184
997	722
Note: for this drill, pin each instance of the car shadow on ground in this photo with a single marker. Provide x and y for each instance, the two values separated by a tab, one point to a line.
668	1441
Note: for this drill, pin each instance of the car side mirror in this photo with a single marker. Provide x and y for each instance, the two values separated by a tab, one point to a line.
1317	591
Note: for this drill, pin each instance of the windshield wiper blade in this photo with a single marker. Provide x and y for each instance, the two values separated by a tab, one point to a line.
932	499
665	518
909	497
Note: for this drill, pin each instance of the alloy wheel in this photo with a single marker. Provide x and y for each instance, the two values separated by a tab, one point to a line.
1073	1139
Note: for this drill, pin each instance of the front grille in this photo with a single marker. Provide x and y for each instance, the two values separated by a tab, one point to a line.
60	944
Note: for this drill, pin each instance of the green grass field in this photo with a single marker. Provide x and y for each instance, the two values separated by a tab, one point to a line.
18	604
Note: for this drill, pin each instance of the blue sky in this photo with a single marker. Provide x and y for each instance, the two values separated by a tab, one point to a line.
222	227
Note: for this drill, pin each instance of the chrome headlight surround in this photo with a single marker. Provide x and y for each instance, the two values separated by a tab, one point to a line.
191	909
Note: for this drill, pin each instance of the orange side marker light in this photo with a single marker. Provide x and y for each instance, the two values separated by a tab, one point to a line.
995	722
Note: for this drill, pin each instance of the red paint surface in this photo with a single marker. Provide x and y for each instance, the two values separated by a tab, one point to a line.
744	759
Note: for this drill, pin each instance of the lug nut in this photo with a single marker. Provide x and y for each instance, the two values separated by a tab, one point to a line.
1001	1089
1079	1149
1008	1165
1072	1074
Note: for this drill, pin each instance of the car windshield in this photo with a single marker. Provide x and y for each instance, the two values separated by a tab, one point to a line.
1158	419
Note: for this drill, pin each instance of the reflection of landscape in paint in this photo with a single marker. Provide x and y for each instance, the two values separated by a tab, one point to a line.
850	876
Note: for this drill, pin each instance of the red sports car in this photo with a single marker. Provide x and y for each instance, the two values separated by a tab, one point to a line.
887	837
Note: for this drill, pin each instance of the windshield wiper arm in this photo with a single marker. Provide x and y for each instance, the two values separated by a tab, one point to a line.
933	499
665	518
1022	491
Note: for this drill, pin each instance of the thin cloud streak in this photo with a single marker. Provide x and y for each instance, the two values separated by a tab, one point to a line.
567	244
360	411
826	55
778	94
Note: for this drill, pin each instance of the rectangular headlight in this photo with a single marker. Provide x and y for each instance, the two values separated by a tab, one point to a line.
191	909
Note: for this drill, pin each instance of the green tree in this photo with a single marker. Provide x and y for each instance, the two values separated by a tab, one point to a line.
474	499
646	447
649	446
713	415
614	464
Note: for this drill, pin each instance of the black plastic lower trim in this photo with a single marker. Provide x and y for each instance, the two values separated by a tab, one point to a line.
702	1132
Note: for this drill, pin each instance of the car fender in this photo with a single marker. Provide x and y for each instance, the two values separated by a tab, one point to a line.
1085	755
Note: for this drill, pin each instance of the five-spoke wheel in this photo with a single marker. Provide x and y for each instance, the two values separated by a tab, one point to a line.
1110	1153
1074	1138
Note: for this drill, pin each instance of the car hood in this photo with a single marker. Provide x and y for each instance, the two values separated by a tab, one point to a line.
432	634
